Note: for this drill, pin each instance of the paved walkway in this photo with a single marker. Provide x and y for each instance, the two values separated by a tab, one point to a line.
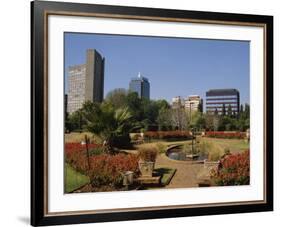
186	175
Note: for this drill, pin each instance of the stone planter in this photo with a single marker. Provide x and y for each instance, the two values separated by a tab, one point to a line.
204	177
146	168
211	164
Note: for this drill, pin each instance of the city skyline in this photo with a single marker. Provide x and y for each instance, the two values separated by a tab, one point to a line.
191	66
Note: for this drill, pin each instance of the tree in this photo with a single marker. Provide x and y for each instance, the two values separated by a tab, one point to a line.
200	106
180	119
117	97
164	119
223	110
111	125
199	121
75	121
227	123
216	122
241	108
247	111
216	112
133	102
229	110
209	121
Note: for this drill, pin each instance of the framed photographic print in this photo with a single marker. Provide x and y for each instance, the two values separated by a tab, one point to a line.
142	113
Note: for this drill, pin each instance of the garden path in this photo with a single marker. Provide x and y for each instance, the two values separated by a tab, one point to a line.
186	174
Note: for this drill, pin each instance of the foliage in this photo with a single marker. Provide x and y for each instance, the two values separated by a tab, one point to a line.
108	169
117	97
228	121
180	119
226	135
110	124
148	153
164	119
234	169
204	147
75	155
161	147
104	169
150	115
167	135
75	122
96	150
214	156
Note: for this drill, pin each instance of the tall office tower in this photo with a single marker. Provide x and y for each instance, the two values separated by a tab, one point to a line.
140	85
193	103
86	81
223	101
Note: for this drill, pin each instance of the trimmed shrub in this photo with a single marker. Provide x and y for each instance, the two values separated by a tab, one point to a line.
226	135
107	169
234	169
168	135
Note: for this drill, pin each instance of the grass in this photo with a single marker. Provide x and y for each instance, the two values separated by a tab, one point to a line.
77	137
234	145
217	147
167	175
74	180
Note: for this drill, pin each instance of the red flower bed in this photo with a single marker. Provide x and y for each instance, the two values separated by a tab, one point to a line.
226	135
107	169
104	169
75	155
234	169
167	134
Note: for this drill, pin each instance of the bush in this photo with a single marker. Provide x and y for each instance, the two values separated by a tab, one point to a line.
226	135
234	169
75	155
148	153
107	169
161	147
122	141
167	135
96	151
214	156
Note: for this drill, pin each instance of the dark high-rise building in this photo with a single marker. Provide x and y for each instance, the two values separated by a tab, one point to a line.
140	85
86	81
94	76
223	101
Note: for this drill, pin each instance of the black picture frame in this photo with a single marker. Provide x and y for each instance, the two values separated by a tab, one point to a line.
39	125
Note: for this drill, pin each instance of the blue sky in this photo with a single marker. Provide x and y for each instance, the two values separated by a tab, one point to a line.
174	66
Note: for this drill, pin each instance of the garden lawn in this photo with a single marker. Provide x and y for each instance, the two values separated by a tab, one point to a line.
233	145
74	179
76	137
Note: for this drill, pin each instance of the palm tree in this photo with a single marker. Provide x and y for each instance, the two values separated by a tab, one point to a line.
110	124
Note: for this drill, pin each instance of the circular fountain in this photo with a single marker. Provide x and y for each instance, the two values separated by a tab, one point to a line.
185	152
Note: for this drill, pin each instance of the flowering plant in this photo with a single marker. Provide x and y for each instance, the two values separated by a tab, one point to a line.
234	169
103	169
107	169
226	135
167	134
